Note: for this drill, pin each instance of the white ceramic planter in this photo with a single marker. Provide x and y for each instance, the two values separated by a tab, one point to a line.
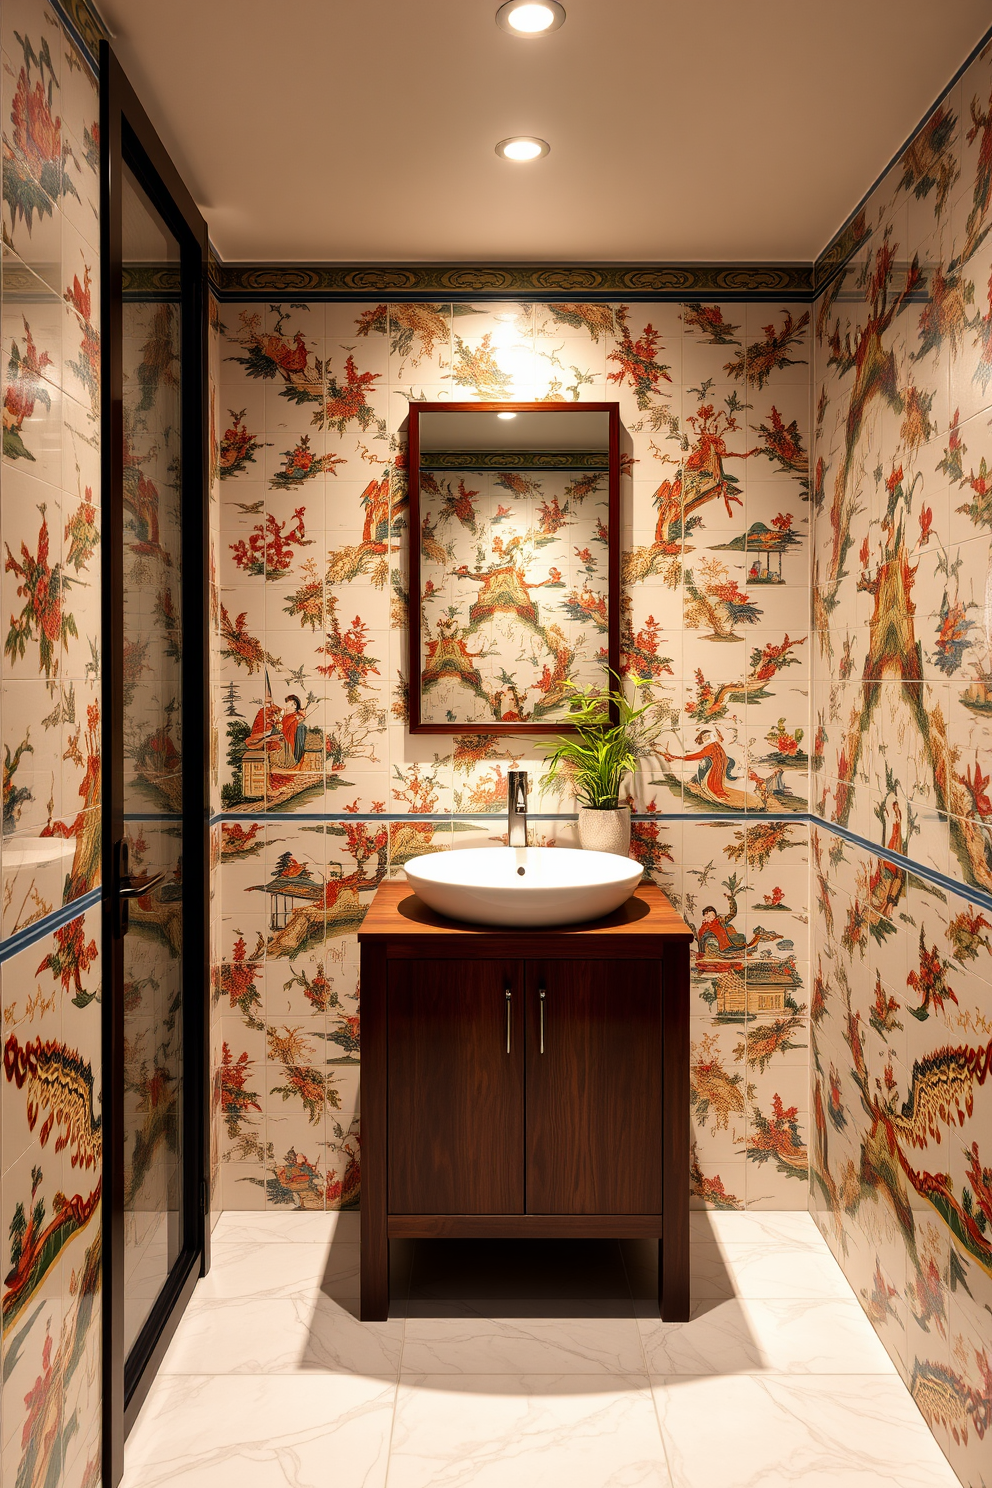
605	830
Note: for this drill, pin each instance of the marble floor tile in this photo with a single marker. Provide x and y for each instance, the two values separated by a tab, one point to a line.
738	1336
764	1270
526	1345
777	1379
284	1335
253	1431
854	1431
281	1269
795	1228
287	1225
500	1431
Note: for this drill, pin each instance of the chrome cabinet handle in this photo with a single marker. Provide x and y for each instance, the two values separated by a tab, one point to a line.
509	996
541	996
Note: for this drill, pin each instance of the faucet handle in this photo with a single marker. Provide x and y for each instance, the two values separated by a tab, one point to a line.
517	784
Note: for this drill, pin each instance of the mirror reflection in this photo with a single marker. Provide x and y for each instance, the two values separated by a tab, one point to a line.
513	506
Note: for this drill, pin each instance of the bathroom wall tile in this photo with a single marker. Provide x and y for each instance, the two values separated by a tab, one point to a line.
895	955
49	854
344	551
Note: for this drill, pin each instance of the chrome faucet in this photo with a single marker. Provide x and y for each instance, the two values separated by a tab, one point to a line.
516	814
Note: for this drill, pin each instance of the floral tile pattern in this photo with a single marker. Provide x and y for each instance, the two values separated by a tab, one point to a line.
323	790
50	534
901	997
50	1195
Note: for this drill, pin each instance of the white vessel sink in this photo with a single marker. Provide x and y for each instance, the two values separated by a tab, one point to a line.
523	886
31	852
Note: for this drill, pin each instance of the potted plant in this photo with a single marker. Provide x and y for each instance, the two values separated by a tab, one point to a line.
594	759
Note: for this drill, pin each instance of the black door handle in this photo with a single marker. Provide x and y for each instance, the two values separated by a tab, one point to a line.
126	888
132	890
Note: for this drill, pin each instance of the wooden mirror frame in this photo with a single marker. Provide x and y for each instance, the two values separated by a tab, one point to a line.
417	725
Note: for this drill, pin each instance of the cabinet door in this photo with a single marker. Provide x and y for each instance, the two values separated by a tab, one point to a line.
456	1092
594	1095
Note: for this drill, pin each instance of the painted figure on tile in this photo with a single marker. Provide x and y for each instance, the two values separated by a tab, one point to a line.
715	765
717	931
745	978
294	729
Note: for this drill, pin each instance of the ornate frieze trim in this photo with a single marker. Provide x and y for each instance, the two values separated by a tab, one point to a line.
86	24
151	280
233	281
515	460
840	250
850	236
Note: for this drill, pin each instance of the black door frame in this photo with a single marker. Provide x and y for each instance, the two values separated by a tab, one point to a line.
128	136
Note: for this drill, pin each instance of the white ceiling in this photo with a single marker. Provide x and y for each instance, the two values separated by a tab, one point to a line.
329	132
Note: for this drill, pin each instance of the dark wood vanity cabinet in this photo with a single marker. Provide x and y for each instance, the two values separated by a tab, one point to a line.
455	1088
524	1082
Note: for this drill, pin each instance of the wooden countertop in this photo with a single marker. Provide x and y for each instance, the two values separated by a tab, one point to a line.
397	915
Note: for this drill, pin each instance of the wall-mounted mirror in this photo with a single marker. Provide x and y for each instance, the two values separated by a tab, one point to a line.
515	578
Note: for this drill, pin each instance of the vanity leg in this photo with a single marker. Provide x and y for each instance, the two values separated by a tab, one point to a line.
375	1241
673	1252
375	1277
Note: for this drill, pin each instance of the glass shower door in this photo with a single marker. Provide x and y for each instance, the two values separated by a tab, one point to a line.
154	662
152	705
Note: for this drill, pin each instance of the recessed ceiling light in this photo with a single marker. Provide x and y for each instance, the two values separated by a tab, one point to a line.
506	415
530	18
522	147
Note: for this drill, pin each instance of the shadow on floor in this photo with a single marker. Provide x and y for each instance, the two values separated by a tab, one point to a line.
512	1278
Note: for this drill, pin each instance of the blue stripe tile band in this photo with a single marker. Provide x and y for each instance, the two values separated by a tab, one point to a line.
920	870
483	816
31	934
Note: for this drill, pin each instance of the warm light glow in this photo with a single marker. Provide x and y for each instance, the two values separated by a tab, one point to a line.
530	18
506	415
522	147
